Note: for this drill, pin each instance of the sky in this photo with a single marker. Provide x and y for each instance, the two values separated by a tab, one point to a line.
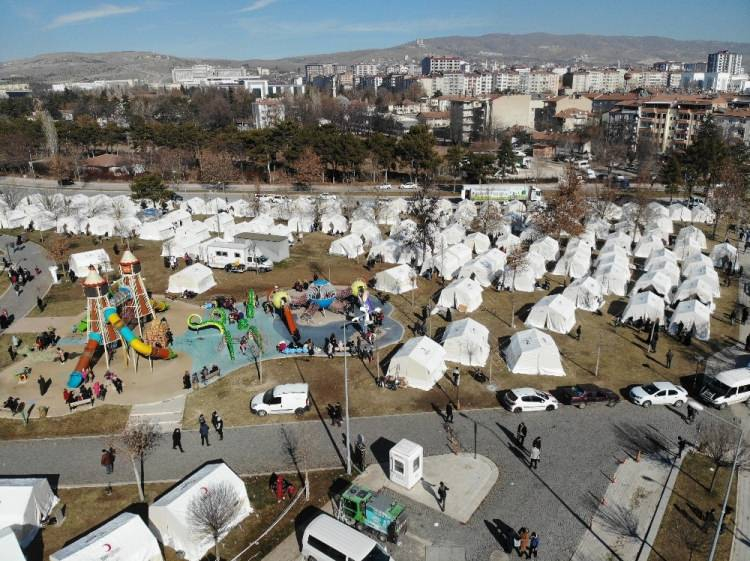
242	29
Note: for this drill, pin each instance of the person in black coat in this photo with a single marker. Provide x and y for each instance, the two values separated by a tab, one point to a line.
177	440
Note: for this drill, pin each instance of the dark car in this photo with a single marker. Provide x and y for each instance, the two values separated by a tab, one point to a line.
583	394
65	181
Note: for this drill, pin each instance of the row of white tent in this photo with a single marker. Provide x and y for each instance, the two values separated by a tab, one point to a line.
26	502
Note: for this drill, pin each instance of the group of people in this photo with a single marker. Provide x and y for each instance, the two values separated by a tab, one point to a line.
14	404
526	543
46	339
93	388
281	487
536	446
194	380
216	421
335	412
18	275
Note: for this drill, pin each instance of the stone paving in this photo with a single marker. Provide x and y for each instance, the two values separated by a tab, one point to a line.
28	256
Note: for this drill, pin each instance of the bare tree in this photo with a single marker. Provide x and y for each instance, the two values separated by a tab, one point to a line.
727	198
11	197
212	513
695	542
139	441
217	168
718	442
566	209
58	250
424	210
515	261
308	168
50	132
489	219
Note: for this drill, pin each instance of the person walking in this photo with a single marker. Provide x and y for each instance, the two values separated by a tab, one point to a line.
733	316
709	520
40	303
517	542
108	460
670	356
338	413
177	440
214	416
578	333
747	343
449	413
534	457
690	414
219	427
521	432
681	445
533	545
12	353
456	376
442	495
204	434
524	538
537	443
745	313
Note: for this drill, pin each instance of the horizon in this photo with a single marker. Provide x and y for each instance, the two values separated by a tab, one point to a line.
278	29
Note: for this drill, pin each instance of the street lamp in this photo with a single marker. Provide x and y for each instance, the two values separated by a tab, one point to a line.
346	403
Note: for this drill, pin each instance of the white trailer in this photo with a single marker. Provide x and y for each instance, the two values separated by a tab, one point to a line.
236	256
501	192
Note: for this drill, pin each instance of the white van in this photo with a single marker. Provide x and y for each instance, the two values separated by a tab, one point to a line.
285	398
726	388
327	539
236	257
581	164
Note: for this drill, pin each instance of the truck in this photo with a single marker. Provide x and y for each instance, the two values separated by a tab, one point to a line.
500	192
370	512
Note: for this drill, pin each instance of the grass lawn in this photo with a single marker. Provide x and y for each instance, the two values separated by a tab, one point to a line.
102	419
680	536
88	507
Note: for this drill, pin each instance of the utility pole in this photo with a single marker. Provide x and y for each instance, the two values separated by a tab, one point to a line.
346	405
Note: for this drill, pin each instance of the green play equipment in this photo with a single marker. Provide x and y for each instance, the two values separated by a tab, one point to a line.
257	338
251	303
219	320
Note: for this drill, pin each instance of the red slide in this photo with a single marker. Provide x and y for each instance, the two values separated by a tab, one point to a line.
290	324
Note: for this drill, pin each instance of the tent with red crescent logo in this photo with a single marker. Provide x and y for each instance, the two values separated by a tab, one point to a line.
169	513
124	538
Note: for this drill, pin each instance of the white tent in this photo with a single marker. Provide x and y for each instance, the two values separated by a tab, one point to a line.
334	224
478	242
618	239
485	268
219	222
554	312
368	230
680	213
350	246
169	514
196	278
187	239
630	228
465	295
521	280
598	226
388	250
533	352
692	233
452	235
612	211
465	213
613	255
658	253
613	278
692	313
24	503
396	280
124	538
655	209
686	248
706	272
79	262
515	206
547	247
9	546
586	293
507	241
644	306
722	251
696	287
694	263
655	281
575	264
702	214
195	205
157	230
467	342
301	223
667	267
420	361
447	261
647	244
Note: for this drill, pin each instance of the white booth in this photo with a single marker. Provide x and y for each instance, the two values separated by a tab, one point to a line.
406	463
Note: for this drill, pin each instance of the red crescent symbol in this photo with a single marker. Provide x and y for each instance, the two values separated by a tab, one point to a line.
107	547
204	490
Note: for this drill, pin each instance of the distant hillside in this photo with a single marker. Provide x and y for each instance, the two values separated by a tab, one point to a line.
530	48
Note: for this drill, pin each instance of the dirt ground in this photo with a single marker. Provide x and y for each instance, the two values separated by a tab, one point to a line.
88	507
102	419
681	536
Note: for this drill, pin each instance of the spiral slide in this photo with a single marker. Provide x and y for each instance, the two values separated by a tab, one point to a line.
196	322
76	377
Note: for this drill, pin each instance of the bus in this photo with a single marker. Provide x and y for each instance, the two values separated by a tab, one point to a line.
500	192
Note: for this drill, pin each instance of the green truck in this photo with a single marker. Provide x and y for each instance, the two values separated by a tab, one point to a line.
369	512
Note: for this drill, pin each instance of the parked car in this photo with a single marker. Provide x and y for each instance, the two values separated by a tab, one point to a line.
529	399
285	398
327	197
658	393
583	394
384	187
409	186
65	181
327	539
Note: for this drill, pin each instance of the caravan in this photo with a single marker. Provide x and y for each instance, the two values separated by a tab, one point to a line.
236	257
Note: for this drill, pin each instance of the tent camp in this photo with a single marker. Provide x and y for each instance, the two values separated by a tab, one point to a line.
350	246
586	293
420	361
655	281
9	546
696	288
478	242
533	352
467	342
169	513
396	280
644	306
24	503
448	261
554	312
196	278
613	278
464	295
680	213
575	264
692	313
124	538
547	247
79	262
485	268
723	252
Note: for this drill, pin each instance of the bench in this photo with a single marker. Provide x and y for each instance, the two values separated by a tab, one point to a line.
75	404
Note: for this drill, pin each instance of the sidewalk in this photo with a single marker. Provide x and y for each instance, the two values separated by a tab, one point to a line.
30	255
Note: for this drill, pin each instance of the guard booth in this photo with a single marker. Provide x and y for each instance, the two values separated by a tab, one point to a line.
406	459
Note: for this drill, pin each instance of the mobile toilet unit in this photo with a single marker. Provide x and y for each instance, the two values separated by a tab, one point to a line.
406	463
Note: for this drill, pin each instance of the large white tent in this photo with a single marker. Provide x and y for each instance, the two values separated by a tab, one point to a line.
647	244
506	240
701	213
485	268
334	224
301	223
644	306
79	262
465	295
420	362
169	514
547	247
692	313
613	278
694	263
478	242
575	264
655	281
350	246
466	341
387	250
157	230
692	234
24	503
124	538
680	213
723	251
533	352
659	253
396	280
447	261
196	278
668	267
9	546
186	240
366	229
586	293
554	312
696	287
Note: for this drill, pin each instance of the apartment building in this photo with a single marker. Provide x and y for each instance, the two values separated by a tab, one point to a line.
538	82
507	81
267	113
364	69
479	83
314	70
563	112
468	119
735	124
433	64
724	61
581	81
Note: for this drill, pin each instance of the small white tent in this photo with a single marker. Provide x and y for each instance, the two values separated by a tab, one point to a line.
465	295
613	278
124	538
723	251
575	264
467	342
692	313
24	503
448	261
586	293
169	514
334	224
478	242
157	230
9	546
388	250
701	213
668	267
350	246
367	230
547	247
554	312
644	306
695	263
196	278
692	234
696	288
79	262
533	352
655	281
396	280
420	361
485	268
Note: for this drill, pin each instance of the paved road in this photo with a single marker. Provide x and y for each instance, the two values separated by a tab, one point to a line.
29	256
580	448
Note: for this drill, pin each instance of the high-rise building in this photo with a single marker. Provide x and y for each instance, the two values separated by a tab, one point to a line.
724	61
432	64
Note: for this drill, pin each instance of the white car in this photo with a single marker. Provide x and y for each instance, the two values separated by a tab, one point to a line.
385	187
529	399
409	186
327	197
285	398
658	393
